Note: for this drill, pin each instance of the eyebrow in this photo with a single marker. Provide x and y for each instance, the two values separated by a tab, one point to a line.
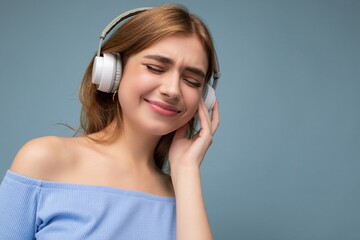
169	61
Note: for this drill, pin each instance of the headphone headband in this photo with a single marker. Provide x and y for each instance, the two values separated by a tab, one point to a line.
216	72
118	19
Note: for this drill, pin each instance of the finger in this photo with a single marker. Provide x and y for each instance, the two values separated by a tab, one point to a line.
215	117
204	117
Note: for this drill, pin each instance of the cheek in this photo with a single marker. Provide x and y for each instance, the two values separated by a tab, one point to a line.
192	101
135	81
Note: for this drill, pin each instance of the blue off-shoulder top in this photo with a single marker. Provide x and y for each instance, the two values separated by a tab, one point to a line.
43	210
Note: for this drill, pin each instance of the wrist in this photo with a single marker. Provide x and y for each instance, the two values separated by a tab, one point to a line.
185	174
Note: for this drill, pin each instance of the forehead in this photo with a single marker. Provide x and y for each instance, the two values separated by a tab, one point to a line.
182	49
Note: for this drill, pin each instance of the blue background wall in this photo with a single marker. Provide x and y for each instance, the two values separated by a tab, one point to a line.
285	162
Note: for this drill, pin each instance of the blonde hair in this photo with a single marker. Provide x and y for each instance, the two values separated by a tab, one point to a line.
136	34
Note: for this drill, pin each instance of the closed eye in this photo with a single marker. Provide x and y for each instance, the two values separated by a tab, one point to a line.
154	69
193	83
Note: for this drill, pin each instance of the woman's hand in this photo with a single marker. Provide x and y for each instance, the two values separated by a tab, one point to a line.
190	152
185	157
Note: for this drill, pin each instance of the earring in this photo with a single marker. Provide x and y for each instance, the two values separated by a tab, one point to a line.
113	97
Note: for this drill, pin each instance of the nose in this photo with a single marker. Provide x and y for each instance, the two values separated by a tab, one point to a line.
170	87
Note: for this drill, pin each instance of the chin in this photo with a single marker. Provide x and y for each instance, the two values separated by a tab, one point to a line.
161	128
161	131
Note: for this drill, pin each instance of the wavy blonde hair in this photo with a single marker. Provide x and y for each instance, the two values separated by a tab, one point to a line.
136	34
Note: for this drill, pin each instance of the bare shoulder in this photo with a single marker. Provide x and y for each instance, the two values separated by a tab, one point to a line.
44	157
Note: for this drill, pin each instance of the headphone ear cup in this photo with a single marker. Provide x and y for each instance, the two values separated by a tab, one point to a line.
106	73
118	73
209	97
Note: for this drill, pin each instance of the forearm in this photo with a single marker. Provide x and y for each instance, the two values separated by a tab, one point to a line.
192	220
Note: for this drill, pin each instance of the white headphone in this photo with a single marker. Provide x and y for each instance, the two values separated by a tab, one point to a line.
107	69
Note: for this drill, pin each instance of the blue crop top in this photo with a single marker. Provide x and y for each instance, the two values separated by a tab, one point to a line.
36	209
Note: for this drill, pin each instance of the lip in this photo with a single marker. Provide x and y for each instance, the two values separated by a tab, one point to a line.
163	108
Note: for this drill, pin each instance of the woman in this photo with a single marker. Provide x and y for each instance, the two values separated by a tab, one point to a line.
108	183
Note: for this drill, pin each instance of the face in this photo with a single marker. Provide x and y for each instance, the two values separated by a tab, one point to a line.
161	86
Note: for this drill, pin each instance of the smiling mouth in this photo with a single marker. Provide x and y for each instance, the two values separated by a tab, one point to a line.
163	108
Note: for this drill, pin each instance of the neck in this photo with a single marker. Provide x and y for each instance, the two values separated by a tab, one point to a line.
135	148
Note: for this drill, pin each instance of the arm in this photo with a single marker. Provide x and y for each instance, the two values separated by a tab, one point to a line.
17	209
185	159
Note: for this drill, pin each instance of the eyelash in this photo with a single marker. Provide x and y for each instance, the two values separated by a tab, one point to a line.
193	84
154	69
158	70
